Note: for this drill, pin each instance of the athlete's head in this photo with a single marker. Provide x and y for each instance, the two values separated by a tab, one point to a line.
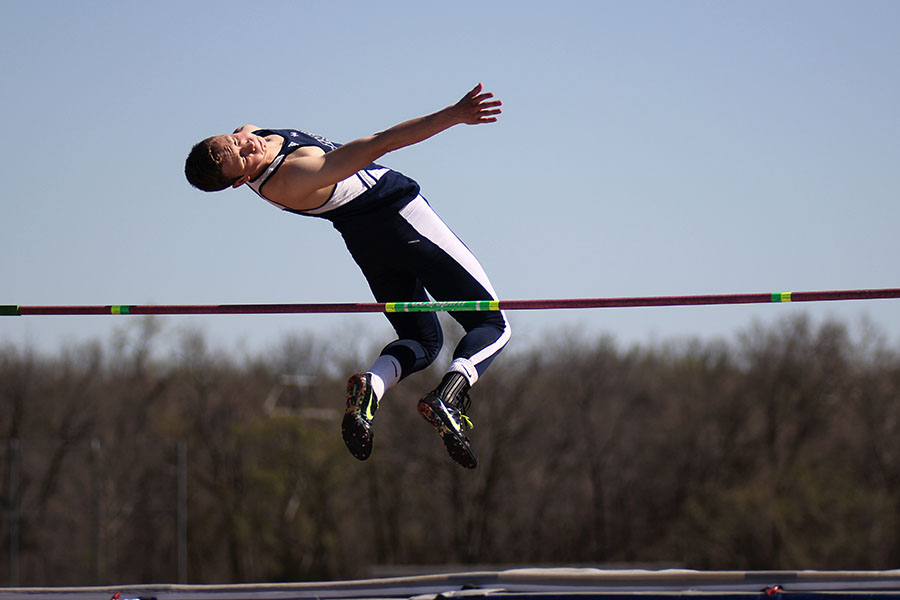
203	167
226	160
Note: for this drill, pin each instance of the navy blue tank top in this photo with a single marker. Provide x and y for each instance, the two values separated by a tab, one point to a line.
370	189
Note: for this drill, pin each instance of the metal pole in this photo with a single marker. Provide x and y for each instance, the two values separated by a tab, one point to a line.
182	511
14	503
95	511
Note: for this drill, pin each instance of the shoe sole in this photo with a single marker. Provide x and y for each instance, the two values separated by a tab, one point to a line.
458	449
357	435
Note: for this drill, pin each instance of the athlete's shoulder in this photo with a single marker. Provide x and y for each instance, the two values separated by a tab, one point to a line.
299	136
243	128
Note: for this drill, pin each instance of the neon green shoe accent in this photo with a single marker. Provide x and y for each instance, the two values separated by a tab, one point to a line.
450	422
370	412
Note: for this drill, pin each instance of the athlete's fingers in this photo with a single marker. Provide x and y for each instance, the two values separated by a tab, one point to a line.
481	106
491	104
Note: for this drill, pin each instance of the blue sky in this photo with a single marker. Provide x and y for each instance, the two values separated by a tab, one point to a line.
646	148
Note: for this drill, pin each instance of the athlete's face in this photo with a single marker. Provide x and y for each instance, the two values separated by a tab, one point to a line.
243	155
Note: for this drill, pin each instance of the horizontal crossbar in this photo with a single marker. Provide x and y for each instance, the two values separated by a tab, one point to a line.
467	305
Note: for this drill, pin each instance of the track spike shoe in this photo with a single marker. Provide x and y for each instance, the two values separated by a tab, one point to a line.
356	427
445	409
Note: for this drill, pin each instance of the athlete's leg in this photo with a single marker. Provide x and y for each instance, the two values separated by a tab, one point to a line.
419	334
378	250
449	271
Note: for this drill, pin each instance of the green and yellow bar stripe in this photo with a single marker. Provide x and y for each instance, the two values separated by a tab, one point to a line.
466	305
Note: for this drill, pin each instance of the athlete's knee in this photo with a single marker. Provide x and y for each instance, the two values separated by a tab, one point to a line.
499	324
432	346
494	321
416	354
504	332
504	325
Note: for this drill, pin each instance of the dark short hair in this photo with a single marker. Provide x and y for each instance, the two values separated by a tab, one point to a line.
203	167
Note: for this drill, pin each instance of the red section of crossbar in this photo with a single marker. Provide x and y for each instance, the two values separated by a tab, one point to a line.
204	309
698	300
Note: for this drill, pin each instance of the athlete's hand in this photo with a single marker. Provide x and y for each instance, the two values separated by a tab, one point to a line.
477	107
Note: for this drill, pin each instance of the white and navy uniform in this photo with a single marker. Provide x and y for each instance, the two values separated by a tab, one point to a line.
406	252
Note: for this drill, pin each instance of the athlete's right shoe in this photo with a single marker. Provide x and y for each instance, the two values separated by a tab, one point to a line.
356	427
445	409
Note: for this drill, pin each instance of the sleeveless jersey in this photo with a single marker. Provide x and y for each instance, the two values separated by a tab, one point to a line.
369	189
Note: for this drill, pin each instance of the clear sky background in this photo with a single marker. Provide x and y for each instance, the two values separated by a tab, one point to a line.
646	148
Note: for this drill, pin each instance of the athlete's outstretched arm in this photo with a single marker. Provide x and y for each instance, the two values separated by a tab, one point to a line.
316	172
474	108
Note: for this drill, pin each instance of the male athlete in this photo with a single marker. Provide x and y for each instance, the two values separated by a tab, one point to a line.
400	244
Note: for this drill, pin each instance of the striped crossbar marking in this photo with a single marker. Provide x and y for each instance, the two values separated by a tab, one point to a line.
463	305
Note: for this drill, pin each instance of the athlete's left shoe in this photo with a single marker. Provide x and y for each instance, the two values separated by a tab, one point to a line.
356	427
445	409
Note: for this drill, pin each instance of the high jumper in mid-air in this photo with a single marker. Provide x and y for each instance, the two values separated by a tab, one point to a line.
405	251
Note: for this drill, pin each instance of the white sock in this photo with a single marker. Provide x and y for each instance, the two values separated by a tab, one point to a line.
466	368
385	374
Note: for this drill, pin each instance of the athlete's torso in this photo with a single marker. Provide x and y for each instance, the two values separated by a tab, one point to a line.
366	190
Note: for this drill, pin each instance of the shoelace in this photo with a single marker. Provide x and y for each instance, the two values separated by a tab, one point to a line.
463	407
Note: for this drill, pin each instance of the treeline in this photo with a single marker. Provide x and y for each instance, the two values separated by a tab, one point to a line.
779	449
